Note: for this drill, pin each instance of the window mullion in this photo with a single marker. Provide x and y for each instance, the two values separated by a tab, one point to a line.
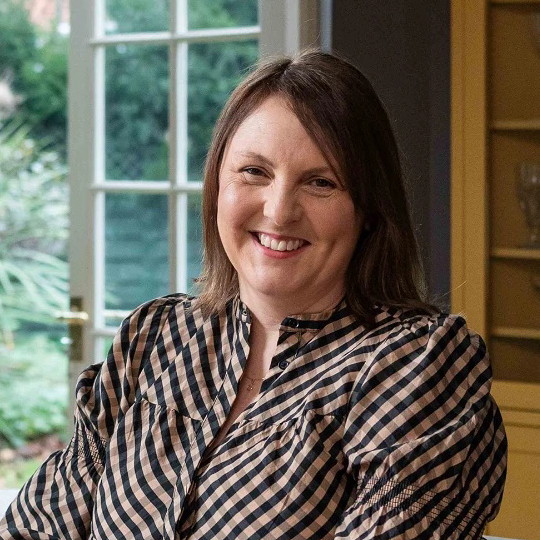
179	99
98	177
173	151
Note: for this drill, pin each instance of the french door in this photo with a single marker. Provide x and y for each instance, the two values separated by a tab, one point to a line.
147	81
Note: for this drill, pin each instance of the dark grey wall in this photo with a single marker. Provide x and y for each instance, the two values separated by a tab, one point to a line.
403	47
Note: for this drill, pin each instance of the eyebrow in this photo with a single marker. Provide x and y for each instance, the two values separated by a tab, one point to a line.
255	155
260	157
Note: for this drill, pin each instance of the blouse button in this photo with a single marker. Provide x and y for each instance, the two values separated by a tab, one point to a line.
283	364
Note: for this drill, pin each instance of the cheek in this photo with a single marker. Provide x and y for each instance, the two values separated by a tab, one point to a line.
232	218
235	206
347	235
343	223
227	200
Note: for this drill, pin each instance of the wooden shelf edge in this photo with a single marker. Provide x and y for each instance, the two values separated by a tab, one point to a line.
516	125
528	419
516	395
515	253
514	332
515	2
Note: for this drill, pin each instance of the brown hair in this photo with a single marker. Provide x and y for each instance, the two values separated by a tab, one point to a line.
338	107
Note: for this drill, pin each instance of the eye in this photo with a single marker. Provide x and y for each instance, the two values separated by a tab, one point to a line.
254	171
323	183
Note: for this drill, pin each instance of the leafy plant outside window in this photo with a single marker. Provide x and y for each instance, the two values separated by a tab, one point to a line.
33	232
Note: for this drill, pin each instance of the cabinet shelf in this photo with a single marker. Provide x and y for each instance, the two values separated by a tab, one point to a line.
515	2
496	126
516	125
515	253
512	332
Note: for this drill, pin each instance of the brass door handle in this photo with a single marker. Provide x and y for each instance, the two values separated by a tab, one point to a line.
75	318
72	317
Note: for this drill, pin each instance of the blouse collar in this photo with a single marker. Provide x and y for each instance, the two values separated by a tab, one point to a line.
298	322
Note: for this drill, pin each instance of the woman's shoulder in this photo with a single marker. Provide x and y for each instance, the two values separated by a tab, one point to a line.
149	307
141	329
414	322
404	334
150	317
144	344
420	354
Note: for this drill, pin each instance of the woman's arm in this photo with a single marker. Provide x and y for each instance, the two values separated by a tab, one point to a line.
425	439
57	502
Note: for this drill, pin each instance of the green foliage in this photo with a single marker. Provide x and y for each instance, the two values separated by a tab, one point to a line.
33	389
138	15
33	229
33	190
33	232
14	475
136	110
137	107
214	70
137	81
45	93
37	64
222	13
17	37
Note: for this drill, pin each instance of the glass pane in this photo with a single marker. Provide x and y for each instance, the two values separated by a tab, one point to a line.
136	112
113	317
222	13
194	241
136	249
213	72
104	346
123	16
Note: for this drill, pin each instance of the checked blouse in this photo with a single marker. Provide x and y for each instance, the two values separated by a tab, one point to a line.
381	433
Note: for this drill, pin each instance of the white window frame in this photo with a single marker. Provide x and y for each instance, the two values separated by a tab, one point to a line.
286	26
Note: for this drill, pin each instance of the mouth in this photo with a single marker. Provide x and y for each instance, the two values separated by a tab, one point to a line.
280	243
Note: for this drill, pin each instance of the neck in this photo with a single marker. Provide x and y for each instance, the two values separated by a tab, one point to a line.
269	311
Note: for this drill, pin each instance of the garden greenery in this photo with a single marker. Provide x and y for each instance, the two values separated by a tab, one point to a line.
33	184
33	227
33	232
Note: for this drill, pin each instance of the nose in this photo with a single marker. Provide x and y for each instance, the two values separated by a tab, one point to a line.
282	205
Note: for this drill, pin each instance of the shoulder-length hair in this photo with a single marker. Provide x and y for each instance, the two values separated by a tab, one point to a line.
338	107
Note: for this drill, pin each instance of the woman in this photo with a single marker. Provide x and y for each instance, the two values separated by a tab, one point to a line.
308	392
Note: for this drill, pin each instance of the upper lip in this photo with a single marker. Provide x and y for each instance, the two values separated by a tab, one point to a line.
280	237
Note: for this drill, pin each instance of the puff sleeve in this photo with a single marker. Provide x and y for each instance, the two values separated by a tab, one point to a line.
57	501
424	438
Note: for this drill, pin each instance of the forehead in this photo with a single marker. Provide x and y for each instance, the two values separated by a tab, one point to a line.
273	115
273	127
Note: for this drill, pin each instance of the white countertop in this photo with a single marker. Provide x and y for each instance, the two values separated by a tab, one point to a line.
6	496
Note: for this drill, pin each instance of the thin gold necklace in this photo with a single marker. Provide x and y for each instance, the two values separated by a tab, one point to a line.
251	382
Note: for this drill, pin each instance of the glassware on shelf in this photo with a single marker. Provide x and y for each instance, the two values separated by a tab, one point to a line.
528	191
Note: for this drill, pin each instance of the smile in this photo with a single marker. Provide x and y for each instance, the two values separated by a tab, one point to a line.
279	245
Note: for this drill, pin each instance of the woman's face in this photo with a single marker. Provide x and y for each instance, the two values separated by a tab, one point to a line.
286	221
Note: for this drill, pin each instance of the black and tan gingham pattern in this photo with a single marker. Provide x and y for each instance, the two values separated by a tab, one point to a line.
383	434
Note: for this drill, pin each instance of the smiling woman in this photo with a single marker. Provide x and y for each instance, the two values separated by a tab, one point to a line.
288	231
309	391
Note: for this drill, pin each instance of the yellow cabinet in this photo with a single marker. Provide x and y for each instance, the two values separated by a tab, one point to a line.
495	276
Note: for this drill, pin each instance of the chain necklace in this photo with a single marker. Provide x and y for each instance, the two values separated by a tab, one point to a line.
251	381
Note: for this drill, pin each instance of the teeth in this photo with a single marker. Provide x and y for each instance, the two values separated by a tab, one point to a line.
279	245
